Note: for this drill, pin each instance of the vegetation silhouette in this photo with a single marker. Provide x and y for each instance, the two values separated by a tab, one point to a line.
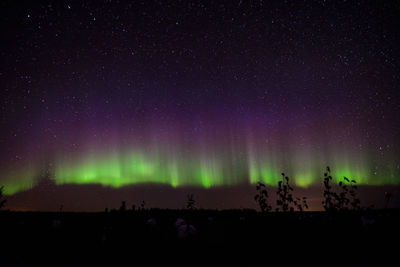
262	197
139	229
286	201
338	201
123	206
191	202
142	205
2	199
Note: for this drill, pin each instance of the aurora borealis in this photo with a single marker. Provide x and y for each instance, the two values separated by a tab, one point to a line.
198	94
240	159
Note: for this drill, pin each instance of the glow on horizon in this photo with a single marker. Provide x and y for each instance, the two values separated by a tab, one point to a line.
117	170
18	181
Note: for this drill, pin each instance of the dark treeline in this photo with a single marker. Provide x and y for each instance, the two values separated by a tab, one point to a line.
139	233
345	197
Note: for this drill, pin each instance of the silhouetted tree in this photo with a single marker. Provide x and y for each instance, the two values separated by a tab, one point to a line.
286	201
354	201
123	206
191	202
142	205
262	197
301	203
347	197
330	202
2	199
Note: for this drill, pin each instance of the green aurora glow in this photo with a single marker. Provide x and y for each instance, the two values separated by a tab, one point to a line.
122	169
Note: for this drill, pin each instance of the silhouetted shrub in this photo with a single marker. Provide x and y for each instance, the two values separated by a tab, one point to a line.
330	202
286	201
345	199
301	203
142	205
2	199
355	202
262	197
191	202
123	206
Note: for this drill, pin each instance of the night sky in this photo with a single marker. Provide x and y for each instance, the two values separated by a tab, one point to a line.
103	101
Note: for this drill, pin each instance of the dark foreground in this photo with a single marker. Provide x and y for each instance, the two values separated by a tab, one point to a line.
245	237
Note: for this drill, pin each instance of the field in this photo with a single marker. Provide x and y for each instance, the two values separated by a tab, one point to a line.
109	238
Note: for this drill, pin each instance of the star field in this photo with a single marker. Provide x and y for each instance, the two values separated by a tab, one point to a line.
198	93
